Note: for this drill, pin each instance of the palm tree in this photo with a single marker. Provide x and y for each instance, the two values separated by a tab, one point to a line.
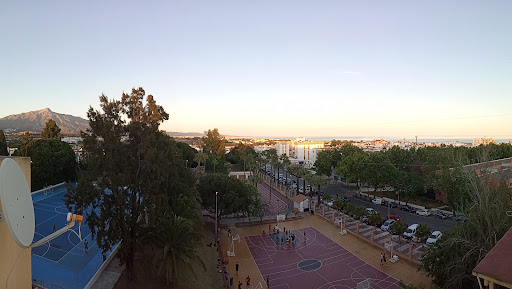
317	181
285	161
215	161
201	158
228	166
176	240
278	165
294	170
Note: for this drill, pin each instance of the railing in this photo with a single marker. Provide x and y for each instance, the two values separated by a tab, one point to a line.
223	266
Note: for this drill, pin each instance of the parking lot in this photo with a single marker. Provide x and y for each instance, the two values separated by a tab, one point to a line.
435	224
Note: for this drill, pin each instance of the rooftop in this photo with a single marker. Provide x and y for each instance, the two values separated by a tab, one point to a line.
496	264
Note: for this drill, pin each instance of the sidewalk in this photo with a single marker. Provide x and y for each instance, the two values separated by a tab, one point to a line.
405	249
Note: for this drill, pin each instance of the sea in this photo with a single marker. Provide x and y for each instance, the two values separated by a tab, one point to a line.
393	139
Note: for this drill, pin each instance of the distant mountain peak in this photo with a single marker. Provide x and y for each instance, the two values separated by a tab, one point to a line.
36	120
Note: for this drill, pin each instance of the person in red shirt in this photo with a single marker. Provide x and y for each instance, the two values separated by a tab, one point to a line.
248	281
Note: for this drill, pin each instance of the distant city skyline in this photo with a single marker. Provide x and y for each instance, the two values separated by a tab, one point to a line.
288	68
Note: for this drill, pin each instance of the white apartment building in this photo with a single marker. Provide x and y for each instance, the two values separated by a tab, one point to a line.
283	149
483	141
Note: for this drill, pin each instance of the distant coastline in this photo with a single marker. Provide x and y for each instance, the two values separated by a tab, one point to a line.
393	139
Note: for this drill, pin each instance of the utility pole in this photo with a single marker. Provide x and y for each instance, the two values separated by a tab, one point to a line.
216	214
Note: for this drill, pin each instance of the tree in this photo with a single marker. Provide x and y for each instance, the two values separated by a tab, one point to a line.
26	143
187	153
374	218
201	158
177	241
352	164
214	143
234	196
349	208
215	161
422	232
3	144
360	212
134	175
51	130
53	162
464	247
317	181
338	204
326	160
378	170
399	227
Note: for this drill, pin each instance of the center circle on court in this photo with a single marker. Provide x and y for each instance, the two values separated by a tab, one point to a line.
309	265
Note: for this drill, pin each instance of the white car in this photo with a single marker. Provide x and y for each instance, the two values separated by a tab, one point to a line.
370	210
434	237
423	212
377	201
387	225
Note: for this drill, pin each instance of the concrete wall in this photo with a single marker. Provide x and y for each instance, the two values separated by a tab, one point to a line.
15	262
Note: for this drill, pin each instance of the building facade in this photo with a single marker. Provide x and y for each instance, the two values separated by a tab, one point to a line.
483	141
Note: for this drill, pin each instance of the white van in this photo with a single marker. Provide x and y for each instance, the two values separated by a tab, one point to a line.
411	231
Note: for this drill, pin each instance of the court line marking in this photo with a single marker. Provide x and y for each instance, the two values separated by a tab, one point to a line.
328	241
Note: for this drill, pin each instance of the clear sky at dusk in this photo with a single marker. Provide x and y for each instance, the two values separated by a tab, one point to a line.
269	68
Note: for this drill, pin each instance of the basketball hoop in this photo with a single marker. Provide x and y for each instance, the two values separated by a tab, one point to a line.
231	251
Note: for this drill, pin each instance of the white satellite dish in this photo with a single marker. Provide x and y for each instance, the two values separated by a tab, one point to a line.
17	206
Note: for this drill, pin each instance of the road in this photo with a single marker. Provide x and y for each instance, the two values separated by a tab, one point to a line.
435	224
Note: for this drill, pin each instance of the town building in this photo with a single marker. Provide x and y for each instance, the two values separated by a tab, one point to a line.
483	141
300	151
500	171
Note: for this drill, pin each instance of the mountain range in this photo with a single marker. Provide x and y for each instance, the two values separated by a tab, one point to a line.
35	121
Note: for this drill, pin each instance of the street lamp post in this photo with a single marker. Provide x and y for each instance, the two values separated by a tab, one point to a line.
216	214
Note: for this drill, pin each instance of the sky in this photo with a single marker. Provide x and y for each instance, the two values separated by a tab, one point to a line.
269	68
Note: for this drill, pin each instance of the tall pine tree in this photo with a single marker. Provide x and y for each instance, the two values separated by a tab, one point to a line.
3	144
134	174
51	130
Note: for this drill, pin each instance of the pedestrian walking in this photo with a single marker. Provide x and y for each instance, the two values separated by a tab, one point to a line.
268	284
381	259
384	259
282	239
237	266
86	246
239	284
54	227
293	238
248	282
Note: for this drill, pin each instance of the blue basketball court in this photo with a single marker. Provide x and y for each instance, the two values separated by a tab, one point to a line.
63	262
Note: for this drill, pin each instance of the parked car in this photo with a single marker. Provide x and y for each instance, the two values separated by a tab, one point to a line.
365	220
423	212
369	211
394	216
411	231
345	200
434	237
391	204
440	214
387	225
377	201
408	208
459	218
